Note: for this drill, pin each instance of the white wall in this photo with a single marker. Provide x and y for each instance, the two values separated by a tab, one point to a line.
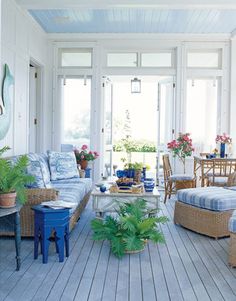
21	41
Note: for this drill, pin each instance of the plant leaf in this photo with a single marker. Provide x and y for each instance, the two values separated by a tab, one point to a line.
133	243
118	246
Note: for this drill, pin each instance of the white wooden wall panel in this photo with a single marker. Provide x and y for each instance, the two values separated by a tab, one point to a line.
21	106
21	41
22	34
8	23
8	57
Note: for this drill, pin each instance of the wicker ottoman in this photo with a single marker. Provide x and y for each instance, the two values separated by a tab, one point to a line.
232	243
205	210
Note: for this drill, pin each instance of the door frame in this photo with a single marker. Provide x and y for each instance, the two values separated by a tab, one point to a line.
39	145
173	79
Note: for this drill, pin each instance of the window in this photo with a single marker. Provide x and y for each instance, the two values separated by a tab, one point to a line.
76	111
211	59
160	59
76	58
122	59
201	113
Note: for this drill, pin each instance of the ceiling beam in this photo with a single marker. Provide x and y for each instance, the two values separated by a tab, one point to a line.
106	4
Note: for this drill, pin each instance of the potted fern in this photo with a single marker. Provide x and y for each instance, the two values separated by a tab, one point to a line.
13	179
129	231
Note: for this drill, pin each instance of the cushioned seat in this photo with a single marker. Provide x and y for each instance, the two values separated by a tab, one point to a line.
232	222
211	198
221	181
86	182
56	174
205	210
181	177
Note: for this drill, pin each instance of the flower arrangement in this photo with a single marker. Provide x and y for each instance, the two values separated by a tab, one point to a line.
223	139
182	146
85	154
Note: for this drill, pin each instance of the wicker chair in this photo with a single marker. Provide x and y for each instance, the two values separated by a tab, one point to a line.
174	182
221	171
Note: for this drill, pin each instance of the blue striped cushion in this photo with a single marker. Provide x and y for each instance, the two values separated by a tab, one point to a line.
232	223
181	177
87	182
72	190
212	198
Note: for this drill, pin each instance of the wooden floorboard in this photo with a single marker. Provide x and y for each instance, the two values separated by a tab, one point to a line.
187	267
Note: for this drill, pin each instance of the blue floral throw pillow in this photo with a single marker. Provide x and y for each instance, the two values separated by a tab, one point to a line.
62	165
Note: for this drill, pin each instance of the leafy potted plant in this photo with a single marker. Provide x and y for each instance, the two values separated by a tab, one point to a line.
13	179
84	155
129	231
181	147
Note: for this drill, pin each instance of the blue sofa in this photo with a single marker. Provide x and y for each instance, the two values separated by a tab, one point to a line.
56	177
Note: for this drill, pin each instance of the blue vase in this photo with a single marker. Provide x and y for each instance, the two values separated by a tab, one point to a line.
222	150
149	184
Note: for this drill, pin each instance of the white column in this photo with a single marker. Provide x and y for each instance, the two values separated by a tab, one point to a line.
233	94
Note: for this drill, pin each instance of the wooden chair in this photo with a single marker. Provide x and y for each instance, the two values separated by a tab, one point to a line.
174	182
222	173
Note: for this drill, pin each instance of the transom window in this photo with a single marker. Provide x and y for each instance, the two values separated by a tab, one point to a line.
157	59
76	57
144	59
203	59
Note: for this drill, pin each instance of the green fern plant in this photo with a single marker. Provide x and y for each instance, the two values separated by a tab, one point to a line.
130	229
13	177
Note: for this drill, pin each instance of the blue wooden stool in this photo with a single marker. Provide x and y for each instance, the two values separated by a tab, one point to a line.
47	221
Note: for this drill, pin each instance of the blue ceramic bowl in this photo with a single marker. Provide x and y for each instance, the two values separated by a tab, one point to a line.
103	188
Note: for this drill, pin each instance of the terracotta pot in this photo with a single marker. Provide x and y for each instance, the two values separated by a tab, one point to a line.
137	175
8	200
83	164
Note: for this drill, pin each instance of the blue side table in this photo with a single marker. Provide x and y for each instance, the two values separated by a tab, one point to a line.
46	222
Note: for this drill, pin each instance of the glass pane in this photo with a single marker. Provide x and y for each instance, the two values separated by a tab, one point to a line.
76	111
203	59
108	114
166	109
162	59
122	59
135	123
76	58
201	113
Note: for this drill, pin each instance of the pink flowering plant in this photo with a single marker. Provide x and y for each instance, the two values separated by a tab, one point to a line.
182	146
223	139
85	154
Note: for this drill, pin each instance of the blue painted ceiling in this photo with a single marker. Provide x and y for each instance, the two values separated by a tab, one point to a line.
134	20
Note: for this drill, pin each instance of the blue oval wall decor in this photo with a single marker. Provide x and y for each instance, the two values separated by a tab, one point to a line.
6	107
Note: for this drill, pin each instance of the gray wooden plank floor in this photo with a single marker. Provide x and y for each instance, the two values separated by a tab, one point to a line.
187	267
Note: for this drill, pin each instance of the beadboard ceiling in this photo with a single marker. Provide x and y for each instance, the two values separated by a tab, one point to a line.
133	20
129	16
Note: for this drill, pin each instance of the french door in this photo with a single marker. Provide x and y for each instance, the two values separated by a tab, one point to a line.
158	117
165	120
